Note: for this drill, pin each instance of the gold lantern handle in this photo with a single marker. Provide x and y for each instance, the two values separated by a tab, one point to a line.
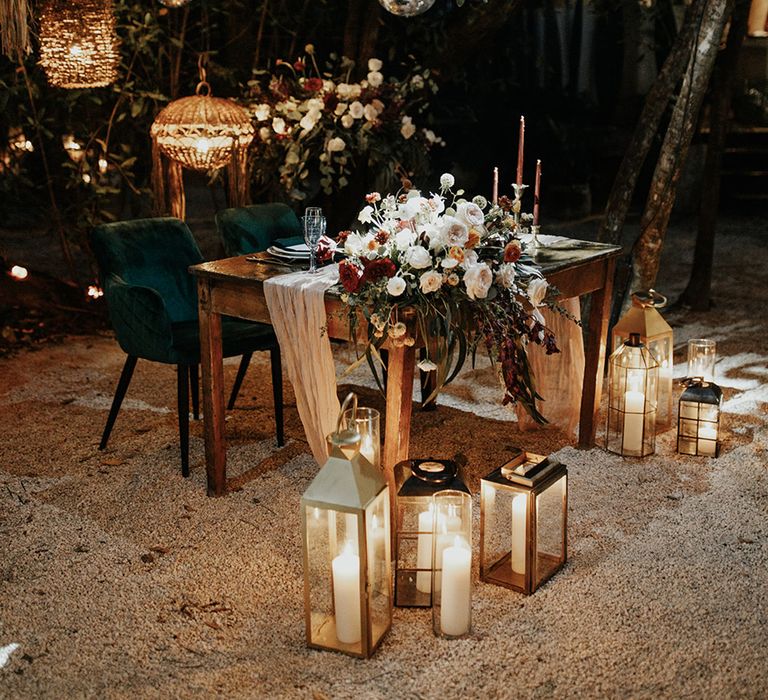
345	437
650	298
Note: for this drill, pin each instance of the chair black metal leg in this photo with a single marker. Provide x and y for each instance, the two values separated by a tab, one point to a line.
195	387
241	370
122	387
277	392
182	376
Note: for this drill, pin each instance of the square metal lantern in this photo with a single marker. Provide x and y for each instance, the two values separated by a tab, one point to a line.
347	552
656	334
633	381
523	522
698	419
414	526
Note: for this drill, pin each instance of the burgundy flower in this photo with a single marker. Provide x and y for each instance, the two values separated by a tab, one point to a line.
313	84
341	239
377	269
351	277
512	251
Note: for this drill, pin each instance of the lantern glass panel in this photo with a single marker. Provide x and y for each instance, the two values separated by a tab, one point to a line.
452	564
379	566
414	552
550	530
505	534
702	354
699	419
333	579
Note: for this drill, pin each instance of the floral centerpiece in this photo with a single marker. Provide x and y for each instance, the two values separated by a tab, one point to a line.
460	265
316	128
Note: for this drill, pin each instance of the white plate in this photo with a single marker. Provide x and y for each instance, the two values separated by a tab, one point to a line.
288	254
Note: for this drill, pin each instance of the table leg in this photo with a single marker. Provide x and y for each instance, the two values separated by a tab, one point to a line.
397	431
213	392
594	357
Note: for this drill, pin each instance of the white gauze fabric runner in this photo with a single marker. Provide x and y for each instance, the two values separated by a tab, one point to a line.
297	309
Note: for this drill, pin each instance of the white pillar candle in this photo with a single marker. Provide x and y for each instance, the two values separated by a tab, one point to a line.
519	508
456	598
634	406
707	442
346	596
424	552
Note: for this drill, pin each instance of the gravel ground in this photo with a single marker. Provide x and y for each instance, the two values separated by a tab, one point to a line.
119	578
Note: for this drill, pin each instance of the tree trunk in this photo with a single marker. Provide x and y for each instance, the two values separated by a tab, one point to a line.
674	150
361	32
655	105
697	293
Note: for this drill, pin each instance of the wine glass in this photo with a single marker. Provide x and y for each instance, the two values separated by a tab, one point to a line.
314	229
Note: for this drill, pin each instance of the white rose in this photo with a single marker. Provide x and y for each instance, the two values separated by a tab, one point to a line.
437	204
261	113
506	275
470	214
395	286
453	231
315	104
355	91
430	281
278	124
374	64
309	120
336	144
347	120
449	263
370	113
264	133
365	216
470	259
340	109
356	109
375	79
405	238
379	105
344	91
537	290
407	129
413	206
447	181
418	257
478	279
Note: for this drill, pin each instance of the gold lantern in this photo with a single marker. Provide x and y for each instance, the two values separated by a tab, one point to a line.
523	522
452	563
633	381
79	47
201	133
346	545
656	334
422	479
698	418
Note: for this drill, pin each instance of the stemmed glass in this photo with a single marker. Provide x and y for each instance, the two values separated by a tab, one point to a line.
314	229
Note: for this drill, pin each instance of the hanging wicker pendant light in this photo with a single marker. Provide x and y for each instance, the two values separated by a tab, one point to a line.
79	47
201	133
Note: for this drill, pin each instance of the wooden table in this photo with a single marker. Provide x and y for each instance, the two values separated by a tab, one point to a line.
234	287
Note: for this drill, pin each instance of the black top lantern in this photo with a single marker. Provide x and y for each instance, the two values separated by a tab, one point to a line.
421	479
698	421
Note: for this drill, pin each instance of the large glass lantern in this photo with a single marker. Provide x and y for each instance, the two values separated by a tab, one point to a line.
523	522
452	563
656	334
698	421
633	381
423	478
346	543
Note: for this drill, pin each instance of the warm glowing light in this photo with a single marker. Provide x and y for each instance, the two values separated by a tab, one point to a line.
86	178
202	145
19	273
95	292
73	148
103	165
75	50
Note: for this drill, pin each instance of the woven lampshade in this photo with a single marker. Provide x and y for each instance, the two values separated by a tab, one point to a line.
78	44
202	132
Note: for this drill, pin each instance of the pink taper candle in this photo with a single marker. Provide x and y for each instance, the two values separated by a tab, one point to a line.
520	149
495	198
536	194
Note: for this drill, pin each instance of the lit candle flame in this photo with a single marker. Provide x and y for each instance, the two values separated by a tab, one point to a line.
95	292
19	273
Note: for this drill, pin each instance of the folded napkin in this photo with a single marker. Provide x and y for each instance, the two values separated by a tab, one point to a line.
287	243
296	304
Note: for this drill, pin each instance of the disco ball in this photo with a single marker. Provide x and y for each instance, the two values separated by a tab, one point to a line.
406	8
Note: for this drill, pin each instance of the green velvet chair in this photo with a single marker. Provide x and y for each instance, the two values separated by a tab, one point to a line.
152	300
254	228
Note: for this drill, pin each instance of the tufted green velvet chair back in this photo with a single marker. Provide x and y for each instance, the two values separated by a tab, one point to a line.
153	253
254	228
